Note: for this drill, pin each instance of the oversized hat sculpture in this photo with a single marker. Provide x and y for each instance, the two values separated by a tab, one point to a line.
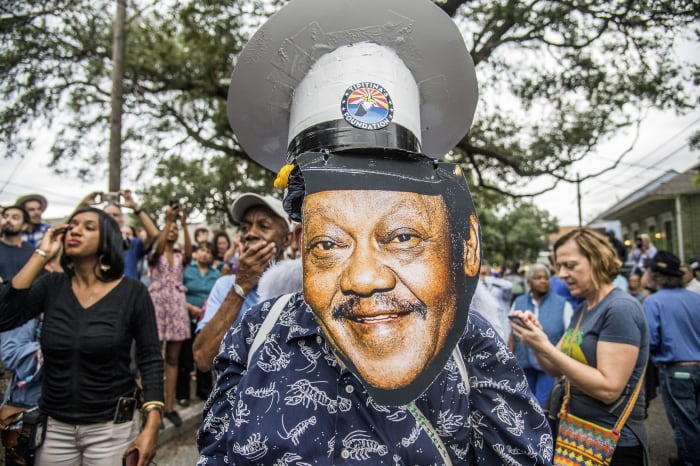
407	55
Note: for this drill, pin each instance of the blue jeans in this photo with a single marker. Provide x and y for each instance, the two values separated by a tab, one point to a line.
680	392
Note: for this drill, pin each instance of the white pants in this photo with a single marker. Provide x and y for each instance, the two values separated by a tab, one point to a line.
86	444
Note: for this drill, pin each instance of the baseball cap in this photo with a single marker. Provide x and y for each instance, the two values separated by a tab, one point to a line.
666	263
248	200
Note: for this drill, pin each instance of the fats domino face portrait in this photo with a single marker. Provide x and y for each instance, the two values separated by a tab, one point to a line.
364	108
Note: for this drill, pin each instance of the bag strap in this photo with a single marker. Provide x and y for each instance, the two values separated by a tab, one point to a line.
630	404
430	430
423	421
267	324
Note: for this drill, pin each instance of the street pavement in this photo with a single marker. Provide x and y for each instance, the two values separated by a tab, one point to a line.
177	445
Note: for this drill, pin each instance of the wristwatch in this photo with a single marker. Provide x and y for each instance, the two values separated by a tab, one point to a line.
239	291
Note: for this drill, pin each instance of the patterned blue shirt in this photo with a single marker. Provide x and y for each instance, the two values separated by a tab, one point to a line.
297	406
34	237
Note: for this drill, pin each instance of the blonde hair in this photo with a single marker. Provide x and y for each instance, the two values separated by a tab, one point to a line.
595	247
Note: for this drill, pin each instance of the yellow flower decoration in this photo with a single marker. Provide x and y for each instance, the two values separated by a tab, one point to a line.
283	176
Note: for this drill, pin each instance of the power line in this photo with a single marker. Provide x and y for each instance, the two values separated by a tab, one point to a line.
663	144
14	170
25	188
620	184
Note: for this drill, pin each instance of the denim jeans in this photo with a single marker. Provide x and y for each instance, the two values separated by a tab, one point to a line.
680	391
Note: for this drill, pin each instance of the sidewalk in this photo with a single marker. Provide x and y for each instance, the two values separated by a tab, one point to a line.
191	419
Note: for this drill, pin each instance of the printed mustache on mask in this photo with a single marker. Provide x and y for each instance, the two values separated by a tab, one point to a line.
381	307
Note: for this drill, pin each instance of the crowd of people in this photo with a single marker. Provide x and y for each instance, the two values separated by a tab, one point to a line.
584	335
647	316
355	320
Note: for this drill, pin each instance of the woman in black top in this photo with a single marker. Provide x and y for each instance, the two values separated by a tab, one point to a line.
92	314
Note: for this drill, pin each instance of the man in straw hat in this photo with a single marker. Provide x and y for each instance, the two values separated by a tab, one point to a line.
378	360
35	205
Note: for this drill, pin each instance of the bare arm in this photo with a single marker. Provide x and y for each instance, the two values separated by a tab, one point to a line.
170	218
251	266
50	245
606	382
187	253
206	343
148	225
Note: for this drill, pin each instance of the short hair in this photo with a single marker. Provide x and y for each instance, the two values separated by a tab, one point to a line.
534	268
25	215
110	248
201	230
667	281
596	248
133	230
206	245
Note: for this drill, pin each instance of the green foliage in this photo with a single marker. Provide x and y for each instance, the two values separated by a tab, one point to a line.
512	229
557	78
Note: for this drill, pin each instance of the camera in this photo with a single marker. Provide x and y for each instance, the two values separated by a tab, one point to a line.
110	198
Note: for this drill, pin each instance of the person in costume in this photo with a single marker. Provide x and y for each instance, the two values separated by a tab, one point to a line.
378	360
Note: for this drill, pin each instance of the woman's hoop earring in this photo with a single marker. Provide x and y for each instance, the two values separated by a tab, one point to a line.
104	267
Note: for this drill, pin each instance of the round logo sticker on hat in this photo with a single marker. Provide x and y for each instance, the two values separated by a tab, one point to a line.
367	105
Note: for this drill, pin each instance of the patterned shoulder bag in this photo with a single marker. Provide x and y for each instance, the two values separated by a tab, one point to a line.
582	442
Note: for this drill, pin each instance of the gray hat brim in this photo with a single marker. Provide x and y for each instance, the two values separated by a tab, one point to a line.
248	200
283	50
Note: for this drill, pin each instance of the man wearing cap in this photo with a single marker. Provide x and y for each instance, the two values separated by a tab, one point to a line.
35	205
673	315
265	236
378	360
14	252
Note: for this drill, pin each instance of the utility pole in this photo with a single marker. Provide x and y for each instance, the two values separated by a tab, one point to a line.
578	199
115	120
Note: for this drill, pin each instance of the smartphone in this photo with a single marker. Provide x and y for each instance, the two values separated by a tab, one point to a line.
62	230
131	458
125	409
517	320
110	198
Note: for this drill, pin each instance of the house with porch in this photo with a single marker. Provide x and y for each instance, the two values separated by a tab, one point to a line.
667	209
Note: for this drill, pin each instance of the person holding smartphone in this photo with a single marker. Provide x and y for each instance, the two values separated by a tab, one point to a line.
92	316
605	348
